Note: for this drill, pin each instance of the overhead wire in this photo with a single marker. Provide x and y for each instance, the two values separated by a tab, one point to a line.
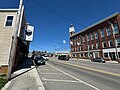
56	13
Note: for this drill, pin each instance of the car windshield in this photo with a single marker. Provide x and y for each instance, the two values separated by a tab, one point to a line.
38	57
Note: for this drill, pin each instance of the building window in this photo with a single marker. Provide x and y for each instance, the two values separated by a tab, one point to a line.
118	42
89	37
96	35
92	36
110	43
108	31
104	44
116	30
102	33
9	21
106	55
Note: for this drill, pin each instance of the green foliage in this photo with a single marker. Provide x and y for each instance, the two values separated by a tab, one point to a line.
2	81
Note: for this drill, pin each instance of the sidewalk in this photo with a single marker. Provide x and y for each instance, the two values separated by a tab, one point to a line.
89	60
25	78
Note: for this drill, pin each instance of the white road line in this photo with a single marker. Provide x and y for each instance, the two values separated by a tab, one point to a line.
56	80
75	78
54	73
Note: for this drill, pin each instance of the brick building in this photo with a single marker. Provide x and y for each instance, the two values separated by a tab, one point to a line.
101	39
8	25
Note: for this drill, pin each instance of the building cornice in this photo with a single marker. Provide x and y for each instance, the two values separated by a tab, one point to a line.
99	22
9	10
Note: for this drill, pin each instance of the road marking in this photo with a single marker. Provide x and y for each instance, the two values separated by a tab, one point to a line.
56	80
75	78
92	69
53	73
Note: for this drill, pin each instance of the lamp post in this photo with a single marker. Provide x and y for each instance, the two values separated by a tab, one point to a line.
116	54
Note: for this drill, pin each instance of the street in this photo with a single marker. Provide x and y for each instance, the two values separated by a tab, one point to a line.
79	75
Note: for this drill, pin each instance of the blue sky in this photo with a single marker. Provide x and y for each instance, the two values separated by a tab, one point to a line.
51	25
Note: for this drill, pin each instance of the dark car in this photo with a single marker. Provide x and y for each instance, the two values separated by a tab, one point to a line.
39	60
98	59
63	57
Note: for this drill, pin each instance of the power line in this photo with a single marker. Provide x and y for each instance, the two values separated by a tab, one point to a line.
58	14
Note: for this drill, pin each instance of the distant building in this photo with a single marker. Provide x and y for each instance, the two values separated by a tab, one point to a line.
101	39
8	25
57	53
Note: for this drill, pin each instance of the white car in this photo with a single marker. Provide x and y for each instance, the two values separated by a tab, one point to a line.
46	57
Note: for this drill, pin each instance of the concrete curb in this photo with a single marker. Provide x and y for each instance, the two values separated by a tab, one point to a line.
34	73
38	80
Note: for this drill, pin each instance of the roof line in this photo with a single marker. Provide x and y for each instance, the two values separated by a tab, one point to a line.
9	10
101	21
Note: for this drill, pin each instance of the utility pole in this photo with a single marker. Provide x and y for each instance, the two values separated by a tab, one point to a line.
14	42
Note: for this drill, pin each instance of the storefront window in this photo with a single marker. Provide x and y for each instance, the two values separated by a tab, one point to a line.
106	55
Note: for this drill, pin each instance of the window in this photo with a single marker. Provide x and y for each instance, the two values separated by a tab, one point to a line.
118	42
102	33
106	55
89	37
96	35
9	21
108	31
110	43
92	36
116	30
104	45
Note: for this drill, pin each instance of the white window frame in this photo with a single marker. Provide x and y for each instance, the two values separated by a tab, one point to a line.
109	43
97	45
103	44
96	34
117	41
92	36
117	28
102	32
108	29
88	37
6	21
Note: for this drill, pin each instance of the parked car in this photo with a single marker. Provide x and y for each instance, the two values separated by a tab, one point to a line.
98	59
39	60
63	57
46	57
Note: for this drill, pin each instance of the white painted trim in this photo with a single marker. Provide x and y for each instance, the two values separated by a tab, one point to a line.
81	81
99	22
12	21
87	51
110	50
9	10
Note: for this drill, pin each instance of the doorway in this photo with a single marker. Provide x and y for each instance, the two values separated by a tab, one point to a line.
112	56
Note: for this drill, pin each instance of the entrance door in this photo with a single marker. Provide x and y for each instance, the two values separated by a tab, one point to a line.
112	56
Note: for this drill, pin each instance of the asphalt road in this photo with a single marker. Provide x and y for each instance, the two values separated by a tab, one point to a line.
79	75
